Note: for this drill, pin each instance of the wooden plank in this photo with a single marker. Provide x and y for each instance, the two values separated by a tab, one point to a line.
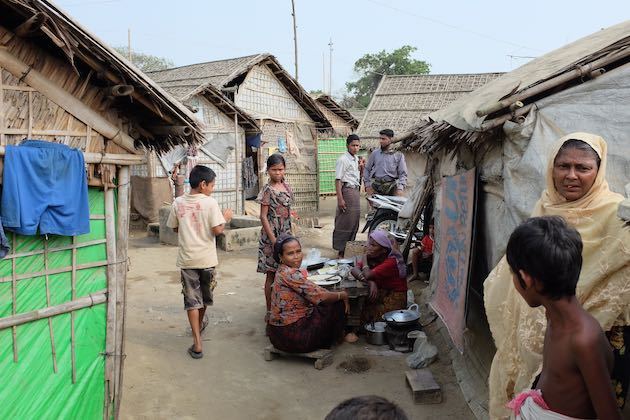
424	389
30	115
322	357
124	199
50	326
110	338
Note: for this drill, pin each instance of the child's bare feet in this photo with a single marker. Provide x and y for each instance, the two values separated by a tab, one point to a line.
351	338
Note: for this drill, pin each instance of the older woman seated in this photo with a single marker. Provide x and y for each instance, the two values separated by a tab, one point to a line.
304	316
385	272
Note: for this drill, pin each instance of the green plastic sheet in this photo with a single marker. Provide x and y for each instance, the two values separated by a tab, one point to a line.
29	388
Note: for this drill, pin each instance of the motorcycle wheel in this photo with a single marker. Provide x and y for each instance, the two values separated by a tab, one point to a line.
385	221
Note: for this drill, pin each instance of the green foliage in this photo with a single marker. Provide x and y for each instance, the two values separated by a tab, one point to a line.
146	62
316	92
371	67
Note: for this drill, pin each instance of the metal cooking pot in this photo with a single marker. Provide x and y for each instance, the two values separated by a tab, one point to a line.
403	317
375	333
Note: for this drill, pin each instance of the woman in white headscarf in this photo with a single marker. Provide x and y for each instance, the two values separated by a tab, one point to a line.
576	190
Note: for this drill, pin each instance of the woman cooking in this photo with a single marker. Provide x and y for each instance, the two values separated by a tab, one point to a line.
304	317
576	190
385	273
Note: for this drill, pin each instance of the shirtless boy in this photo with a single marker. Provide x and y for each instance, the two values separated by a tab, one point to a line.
545	256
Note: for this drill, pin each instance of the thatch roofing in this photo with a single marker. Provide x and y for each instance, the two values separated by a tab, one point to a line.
476	117
187	81
150	106
334	107
401	101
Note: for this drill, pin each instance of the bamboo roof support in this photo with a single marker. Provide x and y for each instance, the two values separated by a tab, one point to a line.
65	100
31	25
109	158
64	308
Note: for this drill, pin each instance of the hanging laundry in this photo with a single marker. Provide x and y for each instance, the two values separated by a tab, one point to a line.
45	187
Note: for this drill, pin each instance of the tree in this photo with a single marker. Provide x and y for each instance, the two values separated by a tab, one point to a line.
146	62
372	67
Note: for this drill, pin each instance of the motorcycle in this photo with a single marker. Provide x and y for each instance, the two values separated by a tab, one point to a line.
386	216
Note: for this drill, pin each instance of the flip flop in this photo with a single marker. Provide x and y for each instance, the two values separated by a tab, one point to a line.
195	354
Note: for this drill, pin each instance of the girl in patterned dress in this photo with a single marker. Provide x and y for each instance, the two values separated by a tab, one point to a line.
275	201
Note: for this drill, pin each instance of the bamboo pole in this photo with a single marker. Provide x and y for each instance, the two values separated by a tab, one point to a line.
50	326
65	100
60	248
109	158
51	272
580	71
237	159
13	296
110	341
73	341
122	236
64	308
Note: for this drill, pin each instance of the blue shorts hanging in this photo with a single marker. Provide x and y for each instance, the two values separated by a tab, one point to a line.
45	186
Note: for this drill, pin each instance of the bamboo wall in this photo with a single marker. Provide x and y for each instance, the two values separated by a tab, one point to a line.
263	96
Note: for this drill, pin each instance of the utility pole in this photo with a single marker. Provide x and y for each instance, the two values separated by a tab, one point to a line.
330	45
129	45
323	72
294	38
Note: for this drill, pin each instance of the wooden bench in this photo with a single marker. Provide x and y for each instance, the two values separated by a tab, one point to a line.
423	387
322	357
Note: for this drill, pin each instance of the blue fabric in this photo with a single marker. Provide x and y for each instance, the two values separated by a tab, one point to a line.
4	243
253	141
45	186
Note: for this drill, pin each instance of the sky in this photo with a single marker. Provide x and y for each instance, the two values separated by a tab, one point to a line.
453	36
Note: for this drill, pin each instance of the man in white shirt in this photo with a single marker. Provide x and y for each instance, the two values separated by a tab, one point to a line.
347	184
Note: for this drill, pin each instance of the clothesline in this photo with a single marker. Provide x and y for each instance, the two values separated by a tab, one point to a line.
108	158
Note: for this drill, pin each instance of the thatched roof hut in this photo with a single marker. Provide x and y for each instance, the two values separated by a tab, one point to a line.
401	101
505	130
62	305
288	117
343	122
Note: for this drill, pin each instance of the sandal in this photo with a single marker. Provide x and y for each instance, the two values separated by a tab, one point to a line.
195	354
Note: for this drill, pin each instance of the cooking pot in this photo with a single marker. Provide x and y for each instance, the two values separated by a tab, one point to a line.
403	317
375	333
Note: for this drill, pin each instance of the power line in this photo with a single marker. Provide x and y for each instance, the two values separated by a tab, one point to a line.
448	25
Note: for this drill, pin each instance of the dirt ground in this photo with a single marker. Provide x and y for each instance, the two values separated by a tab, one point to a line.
233	381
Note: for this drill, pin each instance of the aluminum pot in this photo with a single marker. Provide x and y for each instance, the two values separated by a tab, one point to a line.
375	333
403	317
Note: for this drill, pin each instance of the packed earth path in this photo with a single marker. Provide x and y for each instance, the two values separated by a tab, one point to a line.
233	380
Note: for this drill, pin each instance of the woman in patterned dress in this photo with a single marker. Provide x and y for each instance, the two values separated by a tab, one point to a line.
275	201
